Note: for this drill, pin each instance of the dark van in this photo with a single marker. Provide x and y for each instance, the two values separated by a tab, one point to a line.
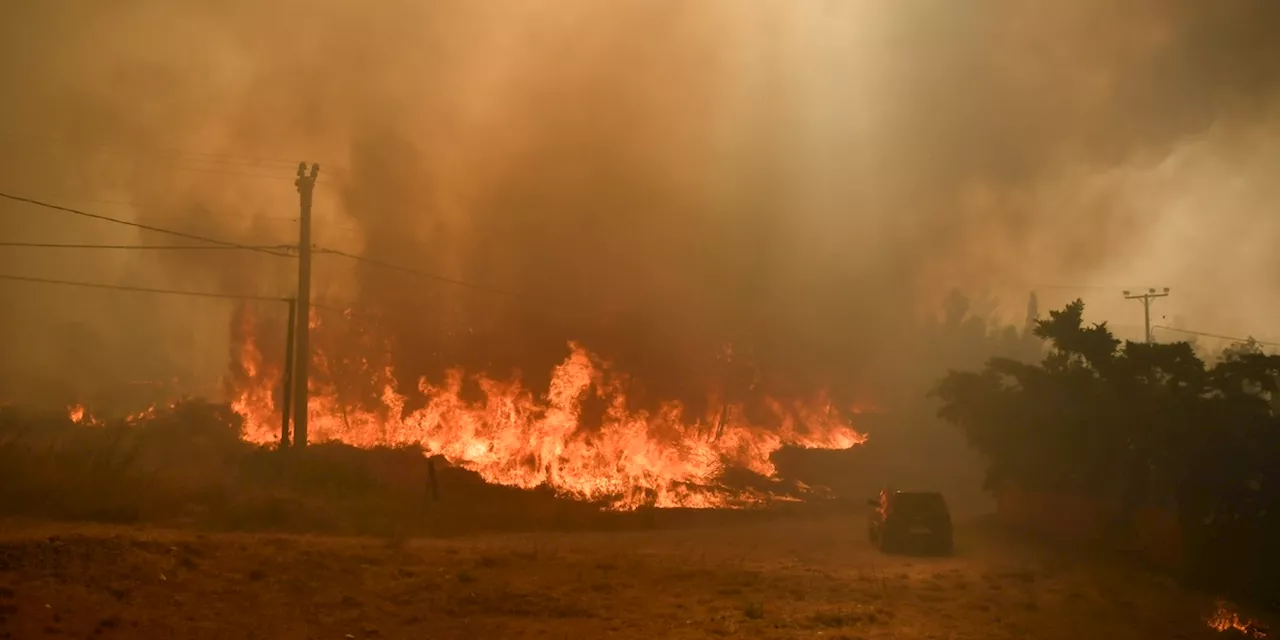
910	520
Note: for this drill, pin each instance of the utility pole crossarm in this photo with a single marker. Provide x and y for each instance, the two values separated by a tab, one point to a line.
1146	299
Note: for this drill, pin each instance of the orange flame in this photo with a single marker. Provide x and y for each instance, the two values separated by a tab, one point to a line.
145	414
1226	620
78	414
663	458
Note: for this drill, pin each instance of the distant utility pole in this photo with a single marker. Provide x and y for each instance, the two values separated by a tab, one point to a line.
1146	299
306	185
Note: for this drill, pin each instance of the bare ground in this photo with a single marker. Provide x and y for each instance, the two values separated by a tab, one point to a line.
800	577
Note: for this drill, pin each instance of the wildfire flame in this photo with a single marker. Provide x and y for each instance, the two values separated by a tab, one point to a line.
78	414
510	436
145	414
1224	619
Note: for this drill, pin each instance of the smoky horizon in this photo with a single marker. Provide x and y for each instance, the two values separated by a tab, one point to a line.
662	183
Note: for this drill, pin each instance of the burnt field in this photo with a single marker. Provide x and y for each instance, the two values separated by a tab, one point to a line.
796	576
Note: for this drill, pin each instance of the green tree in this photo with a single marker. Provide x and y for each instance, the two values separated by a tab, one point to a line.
1137	423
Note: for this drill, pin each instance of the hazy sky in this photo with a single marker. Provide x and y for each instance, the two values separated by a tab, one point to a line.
655	176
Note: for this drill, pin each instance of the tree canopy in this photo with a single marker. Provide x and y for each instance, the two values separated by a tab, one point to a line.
1129	423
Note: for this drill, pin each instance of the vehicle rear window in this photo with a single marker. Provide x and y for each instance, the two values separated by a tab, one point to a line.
920	502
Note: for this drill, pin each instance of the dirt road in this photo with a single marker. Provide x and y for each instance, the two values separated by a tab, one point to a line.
800	578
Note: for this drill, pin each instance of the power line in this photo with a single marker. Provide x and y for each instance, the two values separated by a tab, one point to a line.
121	287
136	206
60	245
324	214
422	274
138	225
1214	335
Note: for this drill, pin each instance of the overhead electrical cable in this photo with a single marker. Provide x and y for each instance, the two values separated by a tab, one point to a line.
175	247
122	287
139	225
1214	335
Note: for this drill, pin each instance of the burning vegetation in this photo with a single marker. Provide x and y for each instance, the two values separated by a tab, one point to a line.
582	437
1225	619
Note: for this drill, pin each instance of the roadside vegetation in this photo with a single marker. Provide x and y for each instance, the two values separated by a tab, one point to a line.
1136	425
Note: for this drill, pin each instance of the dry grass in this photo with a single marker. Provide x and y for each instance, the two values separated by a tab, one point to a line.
794	578
188	468
83	555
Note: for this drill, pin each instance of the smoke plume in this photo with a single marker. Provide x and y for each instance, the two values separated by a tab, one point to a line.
655	179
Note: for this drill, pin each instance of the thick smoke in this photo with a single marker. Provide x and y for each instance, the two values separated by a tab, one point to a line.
656	179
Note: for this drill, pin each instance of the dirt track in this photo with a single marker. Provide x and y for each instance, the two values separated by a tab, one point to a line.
800	578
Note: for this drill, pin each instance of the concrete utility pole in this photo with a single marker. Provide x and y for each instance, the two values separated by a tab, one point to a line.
306	185
1146	299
